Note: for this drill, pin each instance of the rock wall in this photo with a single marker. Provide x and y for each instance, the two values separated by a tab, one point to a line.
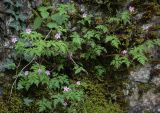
143	89
13	18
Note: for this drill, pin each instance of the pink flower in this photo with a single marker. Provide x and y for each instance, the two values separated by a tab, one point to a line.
124	52
66	89
78	83
28	31
131	9
14	39
48	72
58	35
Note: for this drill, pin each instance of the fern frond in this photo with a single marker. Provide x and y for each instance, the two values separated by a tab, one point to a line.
115	42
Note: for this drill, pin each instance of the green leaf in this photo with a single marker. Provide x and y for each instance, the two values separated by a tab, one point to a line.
15	24
11	12
44	8
44	105
100	70
43	79
78	69
8	1
20	86
57	82
44	14
119	60
37	22
59	19
18	4
58	99
7	64
27	101
103	28
76	40
52	25
113	40
114	20
125	17
22	17
90	34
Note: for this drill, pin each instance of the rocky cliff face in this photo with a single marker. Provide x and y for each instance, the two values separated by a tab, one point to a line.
143	89
13	18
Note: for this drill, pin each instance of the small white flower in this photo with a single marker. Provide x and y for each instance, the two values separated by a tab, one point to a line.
58	35
124	52
28	31
131	9
13	39
82	8
78	83
47	72
84	15
65	104
26	73
39	71
146	27
66	89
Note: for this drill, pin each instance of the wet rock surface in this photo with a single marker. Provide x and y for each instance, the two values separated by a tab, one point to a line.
144	82
143	75
143	88
140	101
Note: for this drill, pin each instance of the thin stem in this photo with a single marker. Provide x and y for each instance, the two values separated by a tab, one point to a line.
24	68
18	76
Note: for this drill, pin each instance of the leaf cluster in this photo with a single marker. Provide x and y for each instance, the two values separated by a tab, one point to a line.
14	10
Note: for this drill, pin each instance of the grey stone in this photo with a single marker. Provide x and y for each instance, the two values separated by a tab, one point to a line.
136	109
148	102
125	92
156	81
138	16
141	75
145	27
150	98
157	66
155	19
133	99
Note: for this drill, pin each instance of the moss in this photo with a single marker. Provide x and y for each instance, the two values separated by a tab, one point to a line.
103	96
157	90
15	104
149	9
3	108
92	107
143	88
12	106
